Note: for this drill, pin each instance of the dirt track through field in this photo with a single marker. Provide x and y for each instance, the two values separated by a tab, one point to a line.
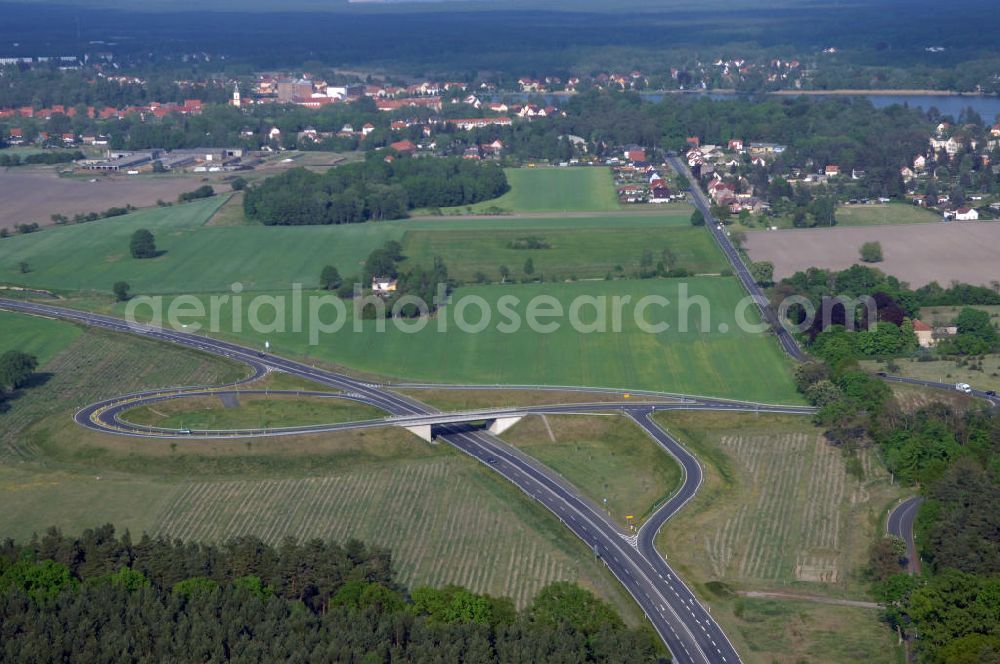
917	253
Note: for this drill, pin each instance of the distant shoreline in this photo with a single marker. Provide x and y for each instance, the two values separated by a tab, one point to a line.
881	93
795	93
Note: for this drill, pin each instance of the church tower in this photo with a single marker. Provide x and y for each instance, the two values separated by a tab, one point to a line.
237	102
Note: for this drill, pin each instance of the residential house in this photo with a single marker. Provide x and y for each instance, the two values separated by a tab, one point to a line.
966	214
925	334
404	147
763	149
635	153
832	170
720	191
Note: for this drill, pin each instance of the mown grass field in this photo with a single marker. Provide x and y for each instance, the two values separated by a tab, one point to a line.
253	412
41	337
698	360
576	189
608	458
881	214
447	519
778	511
884	215
571	253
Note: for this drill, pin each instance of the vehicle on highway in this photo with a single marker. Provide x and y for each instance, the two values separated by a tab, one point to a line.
882	374
991	393
964	388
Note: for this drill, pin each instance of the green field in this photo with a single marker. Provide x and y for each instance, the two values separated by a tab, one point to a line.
733	363
778	512
255	412
884	214
578	189
199	258
41	337
573	252
609	458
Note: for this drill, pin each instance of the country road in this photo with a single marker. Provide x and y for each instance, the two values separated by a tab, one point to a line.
900	524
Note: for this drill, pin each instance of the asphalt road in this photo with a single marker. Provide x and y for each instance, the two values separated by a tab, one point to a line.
785	338
979	394
684	624
686	627
900	524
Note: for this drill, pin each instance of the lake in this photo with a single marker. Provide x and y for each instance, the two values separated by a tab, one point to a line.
987	107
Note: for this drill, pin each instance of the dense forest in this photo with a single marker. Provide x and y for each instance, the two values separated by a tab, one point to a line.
954	608
374	190
877	46
101	597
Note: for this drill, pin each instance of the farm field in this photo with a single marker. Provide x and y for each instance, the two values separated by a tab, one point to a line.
778	511
257	411
41	337
33	195
446	519
917	254
571	253
608	458
576	189
207	253
694	360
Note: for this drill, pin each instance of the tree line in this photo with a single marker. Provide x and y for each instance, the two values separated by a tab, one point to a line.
373	190
952	455
895	303
158	599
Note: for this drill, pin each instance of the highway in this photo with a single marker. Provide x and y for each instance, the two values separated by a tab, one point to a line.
785	338
900	524
684	624
688	630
